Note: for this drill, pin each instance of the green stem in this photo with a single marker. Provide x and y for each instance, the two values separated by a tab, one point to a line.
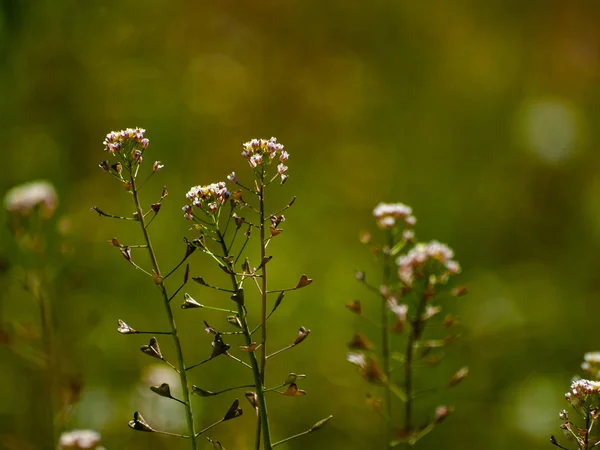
50	360
415	334
180	362
48	334
258	383
587	429
263	355
385	346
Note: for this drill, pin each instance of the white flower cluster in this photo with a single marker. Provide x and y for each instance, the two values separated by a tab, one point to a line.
211	197
79	439
25	197
387	214
420	254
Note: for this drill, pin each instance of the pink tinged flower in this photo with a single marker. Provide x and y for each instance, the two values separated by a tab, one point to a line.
192	192
79	439
386	214
232	177
410	221
387	222
281	169
406	274
283	157
408	235
157	166
255	160
453	267
400	311
213	207
145	142
137	155
255	144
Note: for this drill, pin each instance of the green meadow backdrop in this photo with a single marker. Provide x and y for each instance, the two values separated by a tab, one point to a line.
480	115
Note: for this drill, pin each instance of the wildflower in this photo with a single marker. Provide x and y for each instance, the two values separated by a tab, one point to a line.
409	265
408	235
129	143
256	150
209	198
157	166
79	439
387	214
232	177
24	198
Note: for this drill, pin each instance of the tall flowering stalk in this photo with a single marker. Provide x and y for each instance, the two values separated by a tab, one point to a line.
584	398
31	206
224	234
128	147
414	277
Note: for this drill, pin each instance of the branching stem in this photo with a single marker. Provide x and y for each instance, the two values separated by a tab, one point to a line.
180	362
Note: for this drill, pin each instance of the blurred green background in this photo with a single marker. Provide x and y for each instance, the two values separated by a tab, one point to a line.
480	115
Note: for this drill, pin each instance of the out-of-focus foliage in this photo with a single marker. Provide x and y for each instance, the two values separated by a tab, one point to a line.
480	115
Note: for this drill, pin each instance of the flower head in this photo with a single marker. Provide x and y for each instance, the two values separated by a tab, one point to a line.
411	264
259	151
209	198
387	214
22	199
79	439
585	392
130	143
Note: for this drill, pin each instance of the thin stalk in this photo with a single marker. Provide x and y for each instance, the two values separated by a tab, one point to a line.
50	360
415	334
180	362
48	337
385	347
263	355
587	429
258	383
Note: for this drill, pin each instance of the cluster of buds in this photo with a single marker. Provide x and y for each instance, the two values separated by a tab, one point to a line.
584	392
209	198
387	214
584	397
125	140
261	151
128	146
410	266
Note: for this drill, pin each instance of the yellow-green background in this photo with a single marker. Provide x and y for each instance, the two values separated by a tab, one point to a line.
480	114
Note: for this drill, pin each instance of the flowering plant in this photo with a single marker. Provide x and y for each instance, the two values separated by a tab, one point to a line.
414	277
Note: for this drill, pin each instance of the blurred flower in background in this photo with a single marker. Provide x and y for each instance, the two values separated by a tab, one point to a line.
22	199
80	439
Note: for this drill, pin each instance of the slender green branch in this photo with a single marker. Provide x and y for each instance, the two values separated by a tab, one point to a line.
258	383
264	418
385	344
180	361
292	437
207	428
281	350
238	360
415	334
